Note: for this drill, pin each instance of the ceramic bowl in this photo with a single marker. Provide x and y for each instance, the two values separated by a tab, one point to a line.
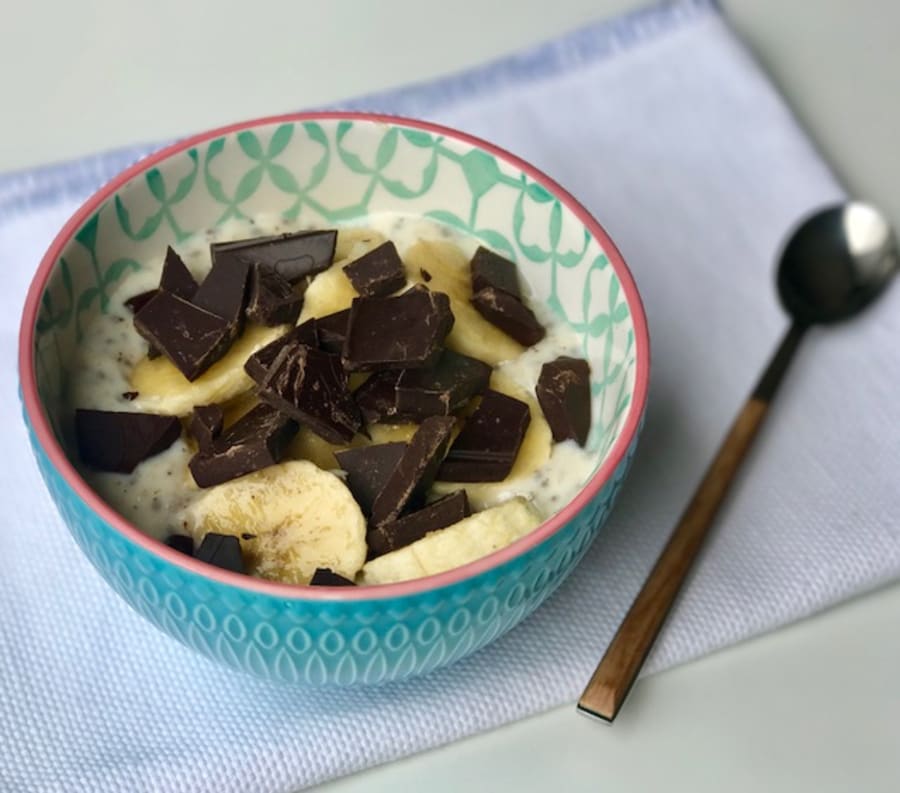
329	169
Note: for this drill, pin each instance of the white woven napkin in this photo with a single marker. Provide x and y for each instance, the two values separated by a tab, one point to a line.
666	129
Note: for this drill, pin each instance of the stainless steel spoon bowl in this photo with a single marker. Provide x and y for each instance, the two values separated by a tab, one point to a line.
836	263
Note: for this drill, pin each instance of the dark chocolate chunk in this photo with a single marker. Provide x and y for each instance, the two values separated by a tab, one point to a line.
426	276
377	397
293	256
258	364
138	301
415	394
402	332
406	530
378	272
324	576
230	246
413	475
116	441
130	395
190	337
176	278
224	292
509	314
221	550
181	542
311	386
272	300
442	389
490	269
332	330
368	470
256	440
564	394
206	425
486	448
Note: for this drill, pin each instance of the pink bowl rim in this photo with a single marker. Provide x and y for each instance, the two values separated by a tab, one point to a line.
56	455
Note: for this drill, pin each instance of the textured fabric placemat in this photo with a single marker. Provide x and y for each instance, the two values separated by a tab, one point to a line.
665	128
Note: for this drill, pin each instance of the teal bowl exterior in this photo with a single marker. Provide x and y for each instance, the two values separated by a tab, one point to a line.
325	635
329	642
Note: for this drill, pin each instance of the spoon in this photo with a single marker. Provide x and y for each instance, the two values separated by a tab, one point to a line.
834	265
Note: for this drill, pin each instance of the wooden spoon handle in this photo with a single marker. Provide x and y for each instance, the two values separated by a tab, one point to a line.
625	655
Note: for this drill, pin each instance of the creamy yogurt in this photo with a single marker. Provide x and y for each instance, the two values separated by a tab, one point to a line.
156	493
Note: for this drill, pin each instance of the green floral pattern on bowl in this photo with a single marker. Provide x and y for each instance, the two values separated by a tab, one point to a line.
328	173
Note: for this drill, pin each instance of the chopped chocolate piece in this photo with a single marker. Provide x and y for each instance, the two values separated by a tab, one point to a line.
190	337
377	397
327	577
224	293
368	470
176	278
403	332
116	441
564	393
138	301
378	272
406	530
221	250
272	300
509	314
221	550
426	276
229	246
490	269
293	256
256	440
413	475
181	542
410	395
206	425
440	390
332	330
486	448
258	364
130	395
311	386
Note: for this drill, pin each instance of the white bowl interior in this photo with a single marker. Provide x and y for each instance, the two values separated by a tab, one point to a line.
336	172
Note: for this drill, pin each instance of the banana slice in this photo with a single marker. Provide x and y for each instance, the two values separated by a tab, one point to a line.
388	433
533	453
297	518
449	270
354	242
309	446
463	542
306	445
331	291
163	389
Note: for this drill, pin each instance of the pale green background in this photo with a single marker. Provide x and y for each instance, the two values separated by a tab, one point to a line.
814	707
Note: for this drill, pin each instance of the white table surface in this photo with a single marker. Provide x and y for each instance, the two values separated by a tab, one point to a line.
813	707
